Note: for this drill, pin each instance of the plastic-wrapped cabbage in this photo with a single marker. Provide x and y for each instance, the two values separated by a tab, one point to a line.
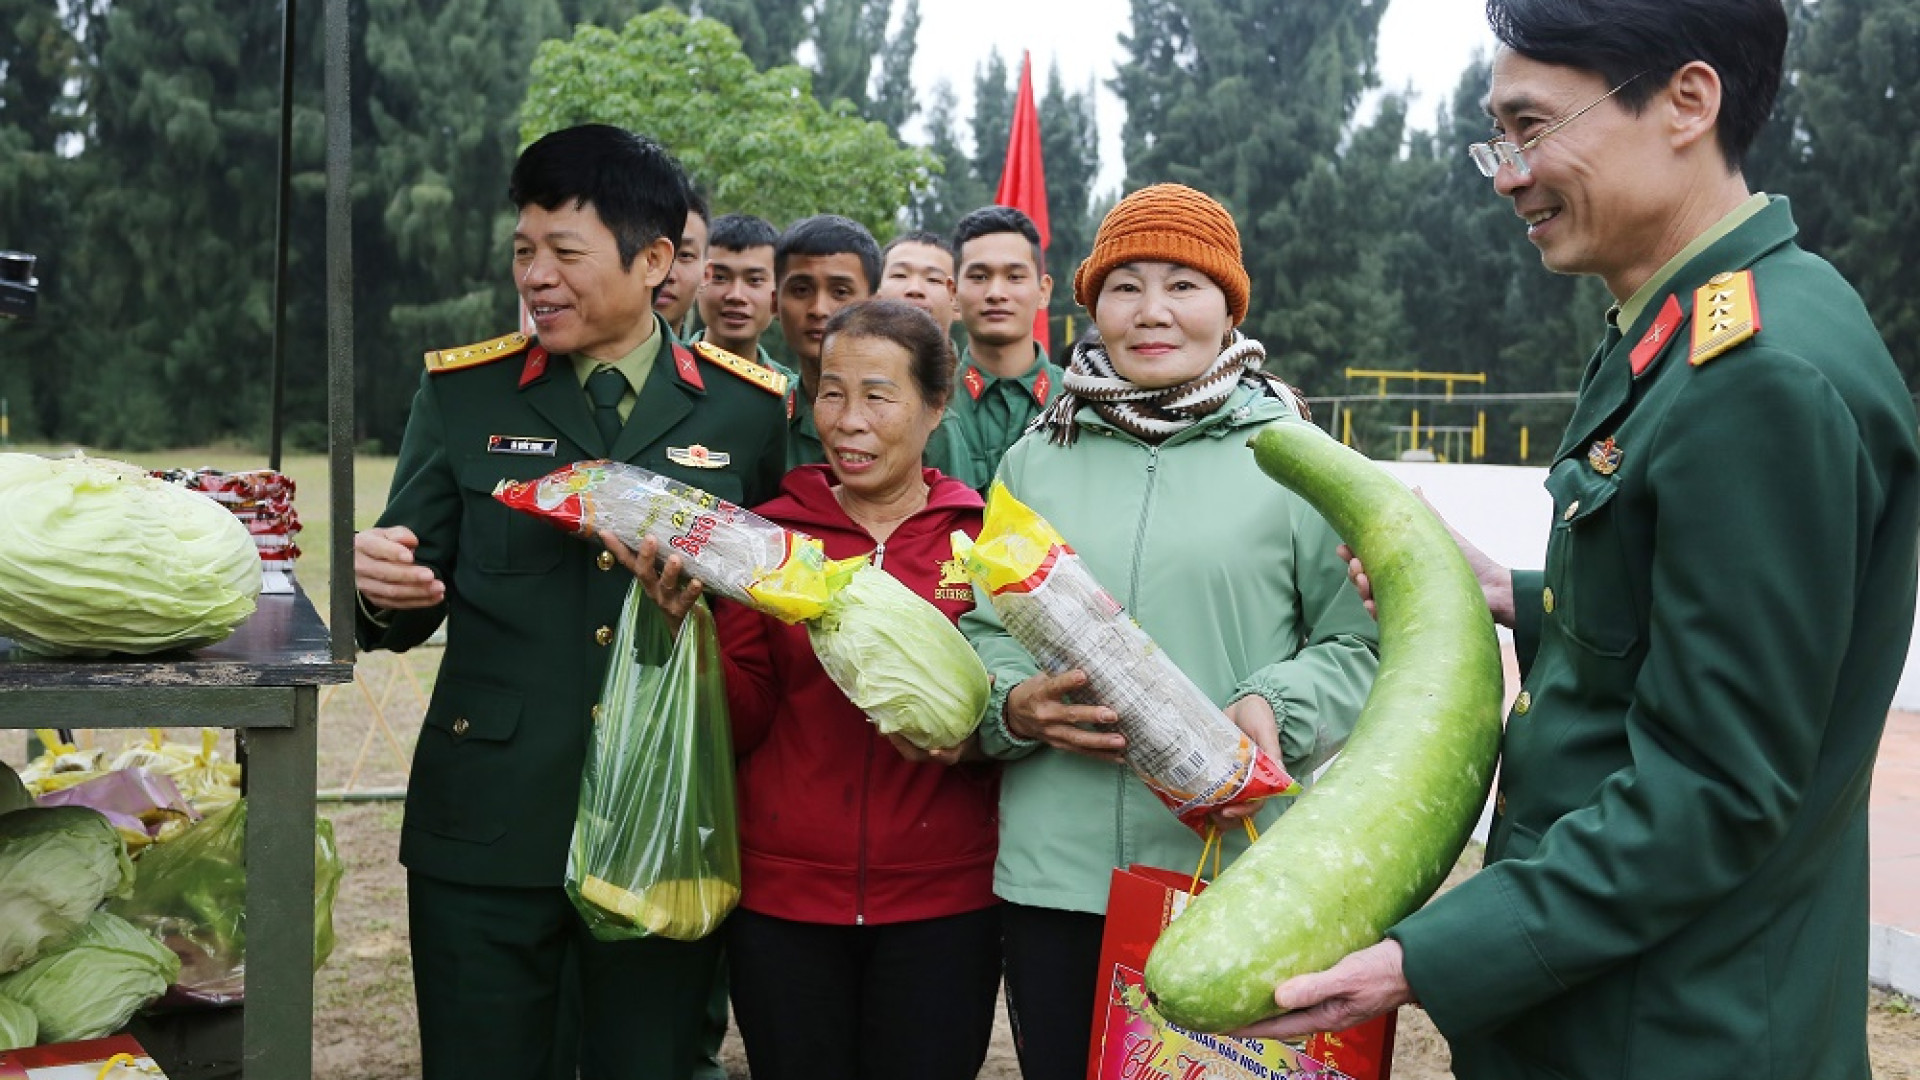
92	983
97	557
13	794
901	660
56	864
19	1028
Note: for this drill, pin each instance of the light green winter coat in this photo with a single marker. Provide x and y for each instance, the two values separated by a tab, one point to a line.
1233	575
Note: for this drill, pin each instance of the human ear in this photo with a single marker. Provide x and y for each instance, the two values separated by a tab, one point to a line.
1692	100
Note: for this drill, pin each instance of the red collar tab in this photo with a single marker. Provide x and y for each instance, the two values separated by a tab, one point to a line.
1658	335
684	366
535	367
974	382
1041	384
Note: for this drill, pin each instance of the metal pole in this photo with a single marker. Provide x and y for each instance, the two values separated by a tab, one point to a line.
338	92
282	226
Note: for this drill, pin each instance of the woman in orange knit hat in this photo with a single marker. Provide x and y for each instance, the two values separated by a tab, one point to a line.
1142	466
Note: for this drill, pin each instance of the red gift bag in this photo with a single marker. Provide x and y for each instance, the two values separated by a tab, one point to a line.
1131	1039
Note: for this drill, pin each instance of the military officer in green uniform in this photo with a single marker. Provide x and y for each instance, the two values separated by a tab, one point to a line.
530	613
1005	377
822	264
1676	879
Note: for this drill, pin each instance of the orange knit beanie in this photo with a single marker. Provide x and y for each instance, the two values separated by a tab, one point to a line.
1167	223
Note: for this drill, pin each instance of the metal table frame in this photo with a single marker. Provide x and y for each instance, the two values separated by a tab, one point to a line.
265	682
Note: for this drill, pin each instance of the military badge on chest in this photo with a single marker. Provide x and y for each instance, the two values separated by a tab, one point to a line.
1604	456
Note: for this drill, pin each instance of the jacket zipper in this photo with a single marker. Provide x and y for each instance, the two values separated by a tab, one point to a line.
880	556
1124	773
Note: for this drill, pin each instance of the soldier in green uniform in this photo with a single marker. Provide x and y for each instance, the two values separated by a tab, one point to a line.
530	613
736	300
1676	879
1005	376
675	297
822	264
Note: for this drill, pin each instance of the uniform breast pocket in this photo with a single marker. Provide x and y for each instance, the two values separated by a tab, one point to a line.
498	540
1590	594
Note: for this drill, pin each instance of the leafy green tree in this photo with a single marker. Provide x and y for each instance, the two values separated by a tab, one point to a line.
953	189
756	140
1853	153
1070	149
894	99
993	96
769	30
1200	82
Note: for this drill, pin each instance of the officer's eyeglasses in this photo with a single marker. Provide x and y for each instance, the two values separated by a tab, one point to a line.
1489	156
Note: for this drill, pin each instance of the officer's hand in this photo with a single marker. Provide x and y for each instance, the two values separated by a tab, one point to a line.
1496	581
1253	715
387	576
670	586
1038	709
1353	991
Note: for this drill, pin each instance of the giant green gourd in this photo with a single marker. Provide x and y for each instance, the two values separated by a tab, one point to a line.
1377	835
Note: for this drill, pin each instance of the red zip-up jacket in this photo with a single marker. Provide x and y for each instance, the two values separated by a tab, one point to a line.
835	826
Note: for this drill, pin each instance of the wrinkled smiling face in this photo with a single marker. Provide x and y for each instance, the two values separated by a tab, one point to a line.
873	421
567	268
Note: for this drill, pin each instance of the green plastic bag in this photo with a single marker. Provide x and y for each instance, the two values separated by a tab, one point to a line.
191	893
655	847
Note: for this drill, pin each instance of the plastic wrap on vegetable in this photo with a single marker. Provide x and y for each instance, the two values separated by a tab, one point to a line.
91	983
655	848
1178	741
735	553
901	660
141	804
191	892
56	864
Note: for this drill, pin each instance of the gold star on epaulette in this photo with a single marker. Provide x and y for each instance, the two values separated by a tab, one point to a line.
441	361
765	378
1725	313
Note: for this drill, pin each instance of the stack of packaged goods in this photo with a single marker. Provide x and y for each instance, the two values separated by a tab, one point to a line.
263	501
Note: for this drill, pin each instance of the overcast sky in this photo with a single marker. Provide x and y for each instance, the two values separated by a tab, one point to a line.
1424	45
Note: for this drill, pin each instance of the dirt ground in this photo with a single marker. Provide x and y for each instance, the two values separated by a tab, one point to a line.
363	1012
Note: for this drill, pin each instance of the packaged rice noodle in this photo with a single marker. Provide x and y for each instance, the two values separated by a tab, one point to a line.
1178	741
735	553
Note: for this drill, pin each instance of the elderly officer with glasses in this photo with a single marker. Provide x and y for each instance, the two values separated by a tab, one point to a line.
1676	878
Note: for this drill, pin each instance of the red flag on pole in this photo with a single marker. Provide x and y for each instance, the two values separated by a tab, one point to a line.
1023	182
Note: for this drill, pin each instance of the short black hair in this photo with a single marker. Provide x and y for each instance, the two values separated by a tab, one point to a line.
697	203
998	219
930	352
1744	41
916	236
829	234
637	188
738	232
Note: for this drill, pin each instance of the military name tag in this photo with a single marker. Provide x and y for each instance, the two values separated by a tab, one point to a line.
522	445
698	457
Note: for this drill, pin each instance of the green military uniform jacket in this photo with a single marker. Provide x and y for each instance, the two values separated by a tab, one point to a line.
992	413
530	610
1676	879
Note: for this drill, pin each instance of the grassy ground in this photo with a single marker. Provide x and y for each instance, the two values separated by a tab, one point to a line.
363	1015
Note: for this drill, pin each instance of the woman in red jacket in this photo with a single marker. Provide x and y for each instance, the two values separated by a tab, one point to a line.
866	942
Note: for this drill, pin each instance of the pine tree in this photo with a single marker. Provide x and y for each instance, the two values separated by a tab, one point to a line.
847	35
993	96
769	30
894	101
954	189
1070	148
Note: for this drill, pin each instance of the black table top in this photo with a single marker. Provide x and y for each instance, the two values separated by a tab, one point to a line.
283	643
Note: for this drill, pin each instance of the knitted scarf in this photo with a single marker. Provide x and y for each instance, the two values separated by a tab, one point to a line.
1154	416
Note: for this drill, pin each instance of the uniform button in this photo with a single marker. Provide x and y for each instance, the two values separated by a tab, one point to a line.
604	635
1500	804
1546	600
1522	704
605	561
1573	510
460	726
